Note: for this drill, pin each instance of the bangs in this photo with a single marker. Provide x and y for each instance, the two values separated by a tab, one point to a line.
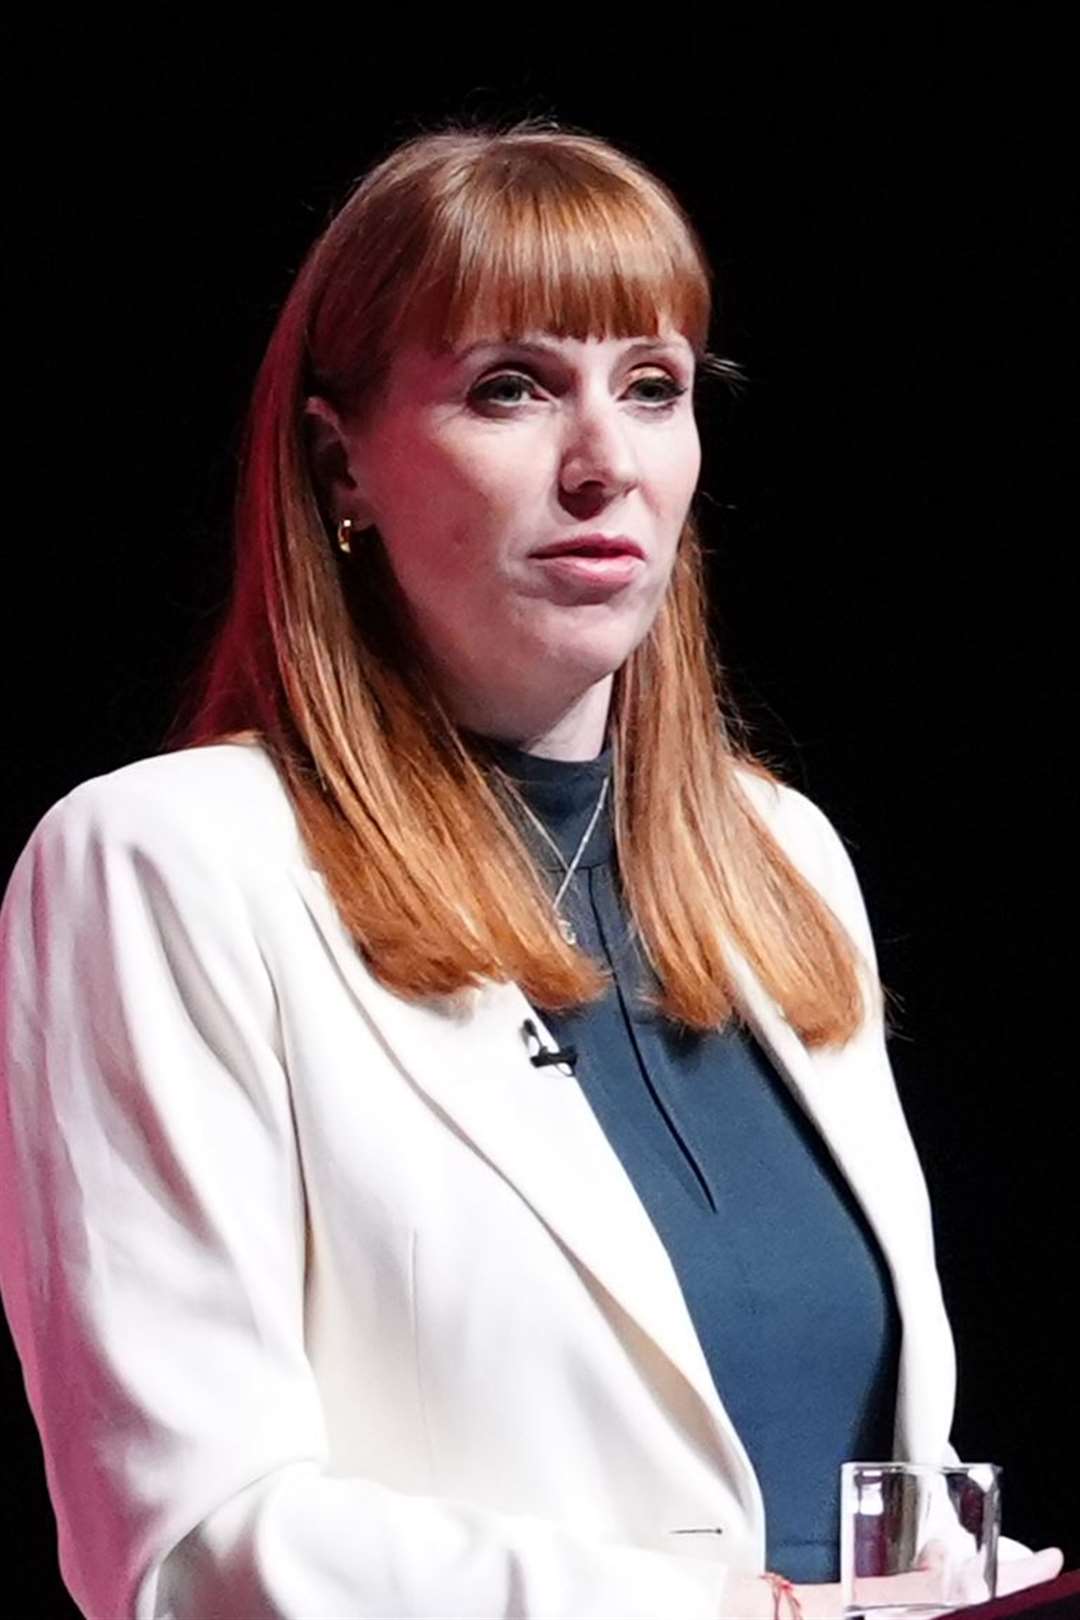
543	254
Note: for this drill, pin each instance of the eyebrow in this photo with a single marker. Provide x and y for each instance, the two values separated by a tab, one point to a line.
523	346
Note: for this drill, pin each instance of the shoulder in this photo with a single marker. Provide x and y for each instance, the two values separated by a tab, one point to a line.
158	886
225	801
801	827
814	846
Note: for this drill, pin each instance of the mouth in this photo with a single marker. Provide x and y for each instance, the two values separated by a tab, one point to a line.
592	546
595	574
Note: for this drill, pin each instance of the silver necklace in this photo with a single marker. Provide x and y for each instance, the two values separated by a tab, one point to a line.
565	927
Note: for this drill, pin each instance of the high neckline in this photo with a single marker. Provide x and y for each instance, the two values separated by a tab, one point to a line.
563	794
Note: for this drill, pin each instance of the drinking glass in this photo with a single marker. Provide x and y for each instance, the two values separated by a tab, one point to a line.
935	1526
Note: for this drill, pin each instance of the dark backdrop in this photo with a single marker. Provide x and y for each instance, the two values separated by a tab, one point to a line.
886	217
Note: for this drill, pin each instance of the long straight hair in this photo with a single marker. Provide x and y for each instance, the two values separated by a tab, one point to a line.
455	233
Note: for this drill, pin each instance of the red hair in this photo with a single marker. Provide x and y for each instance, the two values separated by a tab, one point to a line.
455	234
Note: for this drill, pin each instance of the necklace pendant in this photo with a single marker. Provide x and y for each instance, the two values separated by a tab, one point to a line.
567	931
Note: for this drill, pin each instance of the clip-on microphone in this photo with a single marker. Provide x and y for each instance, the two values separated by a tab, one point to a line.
544	1055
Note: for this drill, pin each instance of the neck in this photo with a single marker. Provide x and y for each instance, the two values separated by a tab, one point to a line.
576	732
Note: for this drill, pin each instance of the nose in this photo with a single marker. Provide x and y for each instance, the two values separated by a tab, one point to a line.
597	450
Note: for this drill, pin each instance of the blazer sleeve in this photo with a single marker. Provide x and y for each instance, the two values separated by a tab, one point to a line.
152	1271
840	885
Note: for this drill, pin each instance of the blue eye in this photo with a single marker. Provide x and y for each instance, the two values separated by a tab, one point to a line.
672	391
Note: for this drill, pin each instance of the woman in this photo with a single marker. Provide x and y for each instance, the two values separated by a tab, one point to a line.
451	1161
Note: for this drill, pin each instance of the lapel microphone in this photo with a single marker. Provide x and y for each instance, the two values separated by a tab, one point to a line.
545	1055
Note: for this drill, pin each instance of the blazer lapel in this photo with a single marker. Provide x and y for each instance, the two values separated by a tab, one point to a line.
873	1150
536	1128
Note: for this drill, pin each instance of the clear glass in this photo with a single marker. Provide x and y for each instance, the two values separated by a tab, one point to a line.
936	1527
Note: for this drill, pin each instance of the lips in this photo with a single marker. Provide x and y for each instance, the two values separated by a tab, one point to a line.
592	545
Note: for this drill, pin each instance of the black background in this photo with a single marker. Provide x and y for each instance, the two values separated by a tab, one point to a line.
887	219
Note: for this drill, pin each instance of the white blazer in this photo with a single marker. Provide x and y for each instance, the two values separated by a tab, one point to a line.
329	1304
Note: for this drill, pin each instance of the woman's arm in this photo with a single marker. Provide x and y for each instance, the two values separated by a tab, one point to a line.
152	1272
839	883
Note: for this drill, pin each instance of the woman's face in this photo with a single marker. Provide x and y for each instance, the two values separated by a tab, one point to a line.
476	459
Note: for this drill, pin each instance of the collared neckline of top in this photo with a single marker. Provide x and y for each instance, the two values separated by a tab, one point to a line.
563	794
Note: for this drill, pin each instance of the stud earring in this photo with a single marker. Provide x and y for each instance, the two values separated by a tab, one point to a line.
345	529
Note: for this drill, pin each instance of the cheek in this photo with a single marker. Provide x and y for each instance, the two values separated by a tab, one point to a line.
499	475
683	466
445	492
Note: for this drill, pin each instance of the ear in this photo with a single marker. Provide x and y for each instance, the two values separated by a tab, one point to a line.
333	463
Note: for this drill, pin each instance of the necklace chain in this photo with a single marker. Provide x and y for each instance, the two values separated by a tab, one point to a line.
566	928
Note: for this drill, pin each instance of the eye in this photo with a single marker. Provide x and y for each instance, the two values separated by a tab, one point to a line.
671	391
484	390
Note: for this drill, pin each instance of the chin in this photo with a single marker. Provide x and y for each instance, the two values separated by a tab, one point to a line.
593	660
591	639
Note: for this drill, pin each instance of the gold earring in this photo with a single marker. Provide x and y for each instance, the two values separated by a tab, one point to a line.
343	529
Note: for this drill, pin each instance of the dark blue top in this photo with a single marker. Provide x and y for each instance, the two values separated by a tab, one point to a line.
783	1278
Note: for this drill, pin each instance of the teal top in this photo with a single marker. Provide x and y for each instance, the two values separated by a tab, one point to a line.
783	1278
